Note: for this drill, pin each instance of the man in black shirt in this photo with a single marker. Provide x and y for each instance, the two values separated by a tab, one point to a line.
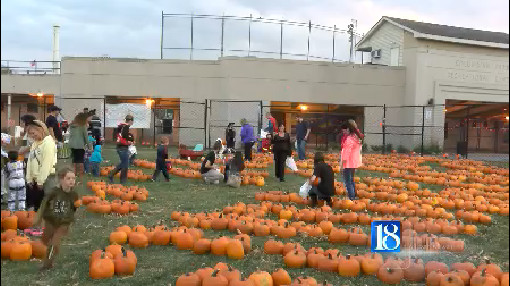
322	181
302	132
94	129
53	124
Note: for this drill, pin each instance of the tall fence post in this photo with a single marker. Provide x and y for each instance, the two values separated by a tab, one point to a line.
222	31
384	130
191	49
422	129
281	39
205	125
154	125
261	117
467	131
162	29
333	57
308	40
104	117
249	35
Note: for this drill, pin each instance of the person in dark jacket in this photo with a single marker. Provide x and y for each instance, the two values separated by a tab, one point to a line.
230	136
247	138
161	156
57	211
322	181
281	150
95	127
123	142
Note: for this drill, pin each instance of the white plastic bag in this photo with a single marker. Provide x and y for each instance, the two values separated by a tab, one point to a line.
304	190
291	164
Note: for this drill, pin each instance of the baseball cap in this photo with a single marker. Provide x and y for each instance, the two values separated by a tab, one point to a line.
54	108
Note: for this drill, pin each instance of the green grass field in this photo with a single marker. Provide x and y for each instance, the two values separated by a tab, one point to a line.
161	265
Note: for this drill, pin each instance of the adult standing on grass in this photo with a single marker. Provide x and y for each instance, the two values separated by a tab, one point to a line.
350	157
248	138
281	150
78	139
211	174
54	126
95	127
302	132
272	126
27	140
124	139
40	164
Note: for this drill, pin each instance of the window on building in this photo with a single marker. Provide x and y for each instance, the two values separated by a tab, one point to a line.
394	56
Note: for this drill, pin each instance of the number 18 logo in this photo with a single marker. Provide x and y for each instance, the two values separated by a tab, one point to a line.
385	236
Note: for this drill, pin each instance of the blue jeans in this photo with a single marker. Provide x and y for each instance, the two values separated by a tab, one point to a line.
301	144
94	168
122	166
348	174
86	164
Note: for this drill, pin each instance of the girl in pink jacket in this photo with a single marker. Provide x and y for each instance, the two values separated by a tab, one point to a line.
350	156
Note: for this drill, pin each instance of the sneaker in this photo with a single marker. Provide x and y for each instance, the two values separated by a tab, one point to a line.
282	180
152	180
167	180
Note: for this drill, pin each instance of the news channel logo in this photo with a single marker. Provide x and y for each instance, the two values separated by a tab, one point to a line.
385	236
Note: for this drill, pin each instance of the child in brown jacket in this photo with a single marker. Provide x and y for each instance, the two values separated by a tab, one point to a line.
57	211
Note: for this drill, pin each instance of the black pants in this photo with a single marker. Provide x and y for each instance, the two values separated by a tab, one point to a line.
314	199
35	196
279	164
247	150
161	168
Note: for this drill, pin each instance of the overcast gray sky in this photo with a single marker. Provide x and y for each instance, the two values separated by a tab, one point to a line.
131	28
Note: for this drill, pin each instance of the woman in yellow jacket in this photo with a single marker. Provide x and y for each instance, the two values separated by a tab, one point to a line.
41	162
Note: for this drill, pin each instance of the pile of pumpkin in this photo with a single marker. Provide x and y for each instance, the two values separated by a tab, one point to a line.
186	173
390	271
101	188
184	238
17	220
136	175
223	274
19	247
96	205
248	224
144	164
114	259
408	208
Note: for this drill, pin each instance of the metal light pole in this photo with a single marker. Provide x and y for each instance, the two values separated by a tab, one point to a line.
351	40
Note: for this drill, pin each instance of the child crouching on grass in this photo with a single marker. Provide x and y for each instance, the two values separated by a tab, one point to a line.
57	212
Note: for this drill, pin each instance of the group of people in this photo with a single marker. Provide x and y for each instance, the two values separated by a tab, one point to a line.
278	141
29	168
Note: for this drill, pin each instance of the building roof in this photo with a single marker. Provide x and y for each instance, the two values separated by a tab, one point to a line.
445	33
